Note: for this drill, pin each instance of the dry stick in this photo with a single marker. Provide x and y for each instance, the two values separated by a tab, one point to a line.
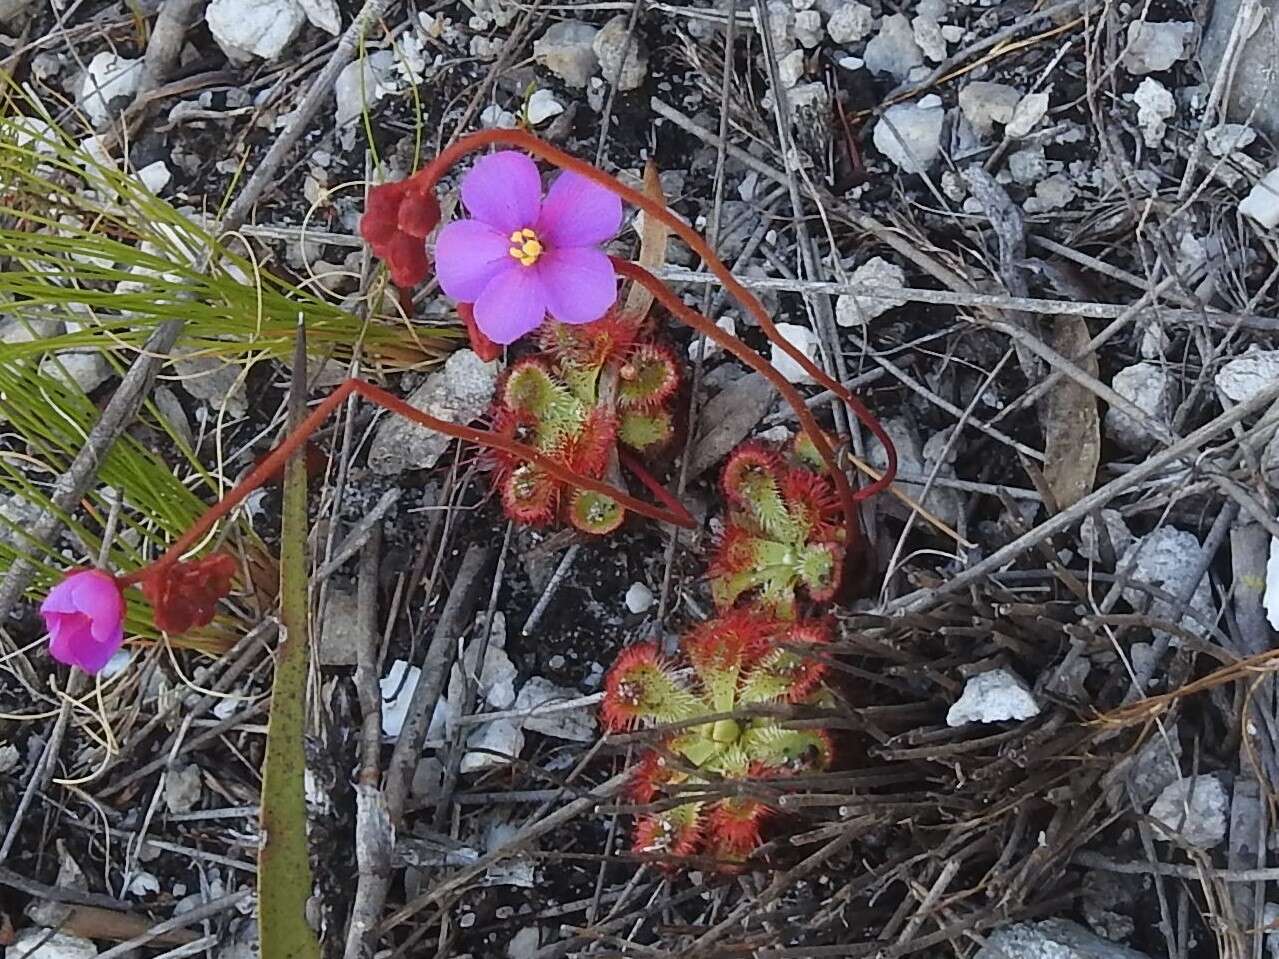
180	921
1095	860
924	599
457	612
374	834
512	846
124	404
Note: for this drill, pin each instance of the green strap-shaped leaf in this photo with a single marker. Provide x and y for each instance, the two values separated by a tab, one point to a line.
284	871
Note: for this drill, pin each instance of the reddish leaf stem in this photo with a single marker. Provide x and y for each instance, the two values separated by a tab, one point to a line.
672	512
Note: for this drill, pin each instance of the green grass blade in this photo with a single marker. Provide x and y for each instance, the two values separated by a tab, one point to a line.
284	871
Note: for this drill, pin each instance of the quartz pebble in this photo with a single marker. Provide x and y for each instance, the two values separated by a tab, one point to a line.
849	22
254	28
993	697
107	78
567	50
909	134
803	339
893	50
1153	47
1193	810
639	599
854	310
1155	107
1148	387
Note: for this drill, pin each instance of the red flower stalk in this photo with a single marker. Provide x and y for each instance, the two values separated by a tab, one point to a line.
184	594
398	217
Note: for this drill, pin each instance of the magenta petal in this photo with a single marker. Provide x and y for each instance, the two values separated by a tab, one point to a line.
580	284
468	255
578	212
512	305
503	190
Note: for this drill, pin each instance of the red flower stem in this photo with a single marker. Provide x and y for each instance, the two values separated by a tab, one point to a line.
473	142
690	317
672	512
650	483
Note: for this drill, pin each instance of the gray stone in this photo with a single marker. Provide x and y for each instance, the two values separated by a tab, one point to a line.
893	50
214	382
909	134
1029	111
1245	376
790	68
1262	201
182	788
458	394
341	633
1148	387
1192	810
984	104
612	44
1152	47
808	28
993	697
1167	559
1116	531
849	22
492	744
854	310
575	725
1155	107
1051	939
1028	166
86	369
35	942
1255	83
567	50
928	37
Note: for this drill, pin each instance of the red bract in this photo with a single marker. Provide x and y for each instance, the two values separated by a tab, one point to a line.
483	347
398	217
185	594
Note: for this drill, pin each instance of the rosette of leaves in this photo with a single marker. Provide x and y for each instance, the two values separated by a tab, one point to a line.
740	659
783	531
590	389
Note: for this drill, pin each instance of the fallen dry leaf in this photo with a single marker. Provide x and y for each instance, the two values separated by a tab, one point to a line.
727	419
652	251
1072	431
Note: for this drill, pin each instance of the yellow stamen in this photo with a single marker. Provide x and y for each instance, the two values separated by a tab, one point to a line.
525	246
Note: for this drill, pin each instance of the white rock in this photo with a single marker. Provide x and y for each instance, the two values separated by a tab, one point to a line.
541	106
1148	387
182	788
781	25
929	38
460	393
726	323
984	104
493	744
576	725
494	117
1116	530
1051	193
362	83
639	598
323	14
854	310
849	22
1225	138
851	63
1193	810
9	757
397	691
495	683
83	368
803	339
254	28
1262	201
909	134
790	68
117	664
992	697
524	944
1029	111
155	176
893	50
611	44
1153	47
1051	939
1245	376
1270	599
144	884
1155	106
808	28
567	50
1166	559
108	76
36	942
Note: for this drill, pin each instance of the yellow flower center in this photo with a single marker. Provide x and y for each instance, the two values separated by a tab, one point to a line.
525	246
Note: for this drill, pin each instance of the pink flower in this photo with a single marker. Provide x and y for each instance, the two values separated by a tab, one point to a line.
84	615
522	257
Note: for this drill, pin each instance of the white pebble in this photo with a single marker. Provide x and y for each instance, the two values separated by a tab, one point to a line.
803	339
993	697
639	598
